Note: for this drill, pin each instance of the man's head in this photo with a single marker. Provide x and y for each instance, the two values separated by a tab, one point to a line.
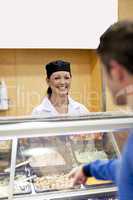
116	53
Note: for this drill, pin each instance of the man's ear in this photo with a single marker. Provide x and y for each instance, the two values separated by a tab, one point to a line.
117	71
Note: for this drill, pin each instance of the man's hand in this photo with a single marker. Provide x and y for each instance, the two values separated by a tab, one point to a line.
78	176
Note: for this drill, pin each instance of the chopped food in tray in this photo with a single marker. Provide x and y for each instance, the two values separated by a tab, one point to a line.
5	145
55	182
21	185
86	157
4	182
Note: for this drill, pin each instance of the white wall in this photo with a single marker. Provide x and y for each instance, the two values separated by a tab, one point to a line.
55	23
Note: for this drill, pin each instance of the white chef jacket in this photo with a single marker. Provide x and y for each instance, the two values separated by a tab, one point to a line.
46	108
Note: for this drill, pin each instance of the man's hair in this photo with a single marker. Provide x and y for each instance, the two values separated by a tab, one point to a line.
117	43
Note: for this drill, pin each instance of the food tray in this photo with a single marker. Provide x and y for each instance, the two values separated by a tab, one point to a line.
52	183
21	185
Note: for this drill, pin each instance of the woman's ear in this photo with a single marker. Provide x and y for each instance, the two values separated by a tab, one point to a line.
47	81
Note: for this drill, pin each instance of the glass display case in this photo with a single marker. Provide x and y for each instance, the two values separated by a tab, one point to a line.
37	154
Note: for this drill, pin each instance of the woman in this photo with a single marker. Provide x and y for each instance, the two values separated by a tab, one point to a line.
57	102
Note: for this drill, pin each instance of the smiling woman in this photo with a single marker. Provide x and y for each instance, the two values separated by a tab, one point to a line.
58	102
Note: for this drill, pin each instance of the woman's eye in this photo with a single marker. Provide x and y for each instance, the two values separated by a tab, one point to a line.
67	77
56	78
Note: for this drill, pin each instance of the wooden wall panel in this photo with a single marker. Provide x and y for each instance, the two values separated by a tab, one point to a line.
125	12
95	97
24	70
8	73
125	9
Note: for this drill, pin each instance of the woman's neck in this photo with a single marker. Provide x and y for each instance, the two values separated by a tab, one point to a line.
60	103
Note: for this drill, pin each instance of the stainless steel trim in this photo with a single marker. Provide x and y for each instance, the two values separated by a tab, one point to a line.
37	129
70	194
12	168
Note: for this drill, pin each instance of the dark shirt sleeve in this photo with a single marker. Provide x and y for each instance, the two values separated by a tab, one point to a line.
103	170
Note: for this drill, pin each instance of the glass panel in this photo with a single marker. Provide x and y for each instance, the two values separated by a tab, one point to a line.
121	138
22	183
88	148
44	162
5	158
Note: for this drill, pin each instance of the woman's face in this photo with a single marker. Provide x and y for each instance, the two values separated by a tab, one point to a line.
60	83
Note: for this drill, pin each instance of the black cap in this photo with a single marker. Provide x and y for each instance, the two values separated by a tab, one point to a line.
58	65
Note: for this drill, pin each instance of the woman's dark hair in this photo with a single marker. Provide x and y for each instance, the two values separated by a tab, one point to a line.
49	91
117	43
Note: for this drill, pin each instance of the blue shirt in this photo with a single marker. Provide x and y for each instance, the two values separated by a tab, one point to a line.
119	171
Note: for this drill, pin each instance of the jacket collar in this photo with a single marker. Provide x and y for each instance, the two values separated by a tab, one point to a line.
47	106
73	103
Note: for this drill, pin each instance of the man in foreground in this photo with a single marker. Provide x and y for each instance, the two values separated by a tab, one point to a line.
116	53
